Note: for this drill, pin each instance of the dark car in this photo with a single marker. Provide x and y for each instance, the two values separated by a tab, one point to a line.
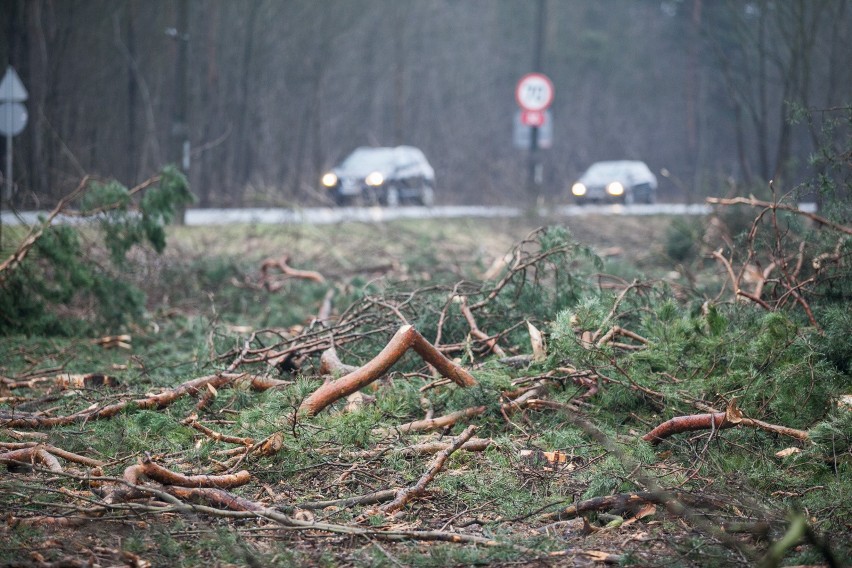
383	176
618	181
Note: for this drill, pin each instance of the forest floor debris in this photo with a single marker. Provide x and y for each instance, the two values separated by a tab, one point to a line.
227	435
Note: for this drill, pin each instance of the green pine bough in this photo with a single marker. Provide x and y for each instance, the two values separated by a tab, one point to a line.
56	266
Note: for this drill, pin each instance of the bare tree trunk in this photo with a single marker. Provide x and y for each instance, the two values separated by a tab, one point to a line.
244	135
131	171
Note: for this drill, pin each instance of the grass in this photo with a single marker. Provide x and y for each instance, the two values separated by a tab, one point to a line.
204	300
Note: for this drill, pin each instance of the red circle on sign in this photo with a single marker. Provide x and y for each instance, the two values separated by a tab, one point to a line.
534	92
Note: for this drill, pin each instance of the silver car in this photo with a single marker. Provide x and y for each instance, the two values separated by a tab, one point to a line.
618	181
382	176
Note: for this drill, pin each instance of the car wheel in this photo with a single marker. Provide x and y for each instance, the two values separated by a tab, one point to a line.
427	196
392	197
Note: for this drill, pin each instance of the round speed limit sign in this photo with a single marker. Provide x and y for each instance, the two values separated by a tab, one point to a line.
534	92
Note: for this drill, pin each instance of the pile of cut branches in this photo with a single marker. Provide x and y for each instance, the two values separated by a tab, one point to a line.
530	415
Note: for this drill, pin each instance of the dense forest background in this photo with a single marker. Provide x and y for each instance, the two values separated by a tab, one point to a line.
268	93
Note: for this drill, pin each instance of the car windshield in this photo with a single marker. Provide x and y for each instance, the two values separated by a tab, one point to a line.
366	160
603	172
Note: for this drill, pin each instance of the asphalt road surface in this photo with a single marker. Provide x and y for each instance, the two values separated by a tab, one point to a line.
325	215
322	215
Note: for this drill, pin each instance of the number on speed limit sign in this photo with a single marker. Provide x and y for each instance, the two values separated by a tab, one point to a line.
534	92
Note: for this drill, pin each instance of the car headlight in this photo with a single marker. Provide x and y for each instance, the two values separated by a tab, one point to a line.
329	179
578	189
375	179
615	188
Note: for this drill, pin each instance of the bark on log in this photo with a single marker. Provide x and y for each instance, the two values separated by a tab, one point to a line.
405	338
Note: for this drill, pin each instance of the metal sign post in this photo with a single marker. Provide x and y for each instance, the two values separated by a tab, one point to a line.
13	117
534	94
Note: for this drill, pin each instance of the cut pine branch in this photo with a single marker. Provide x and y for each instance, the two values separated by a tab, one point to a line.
165	476
407	494
31	456
625	501
405	338
429	424
717	421
491	342
287	270
424	448
52	450
779	206
20	420
192	421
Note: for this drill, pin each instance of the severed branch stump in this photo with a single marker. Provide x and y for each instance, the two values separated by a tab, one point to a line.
404	339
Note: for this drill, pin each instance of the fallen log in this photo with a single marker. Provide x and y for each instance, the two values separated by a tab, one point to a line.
405	338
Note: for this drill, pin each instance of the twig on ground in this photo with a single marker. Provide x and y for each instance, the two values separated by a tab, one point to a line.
287	270
425	448
432	423
491	342
192	421
405	495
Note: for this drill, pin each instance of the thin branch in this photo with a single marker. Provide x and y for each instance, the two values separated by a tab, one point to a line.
758	203
405	495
